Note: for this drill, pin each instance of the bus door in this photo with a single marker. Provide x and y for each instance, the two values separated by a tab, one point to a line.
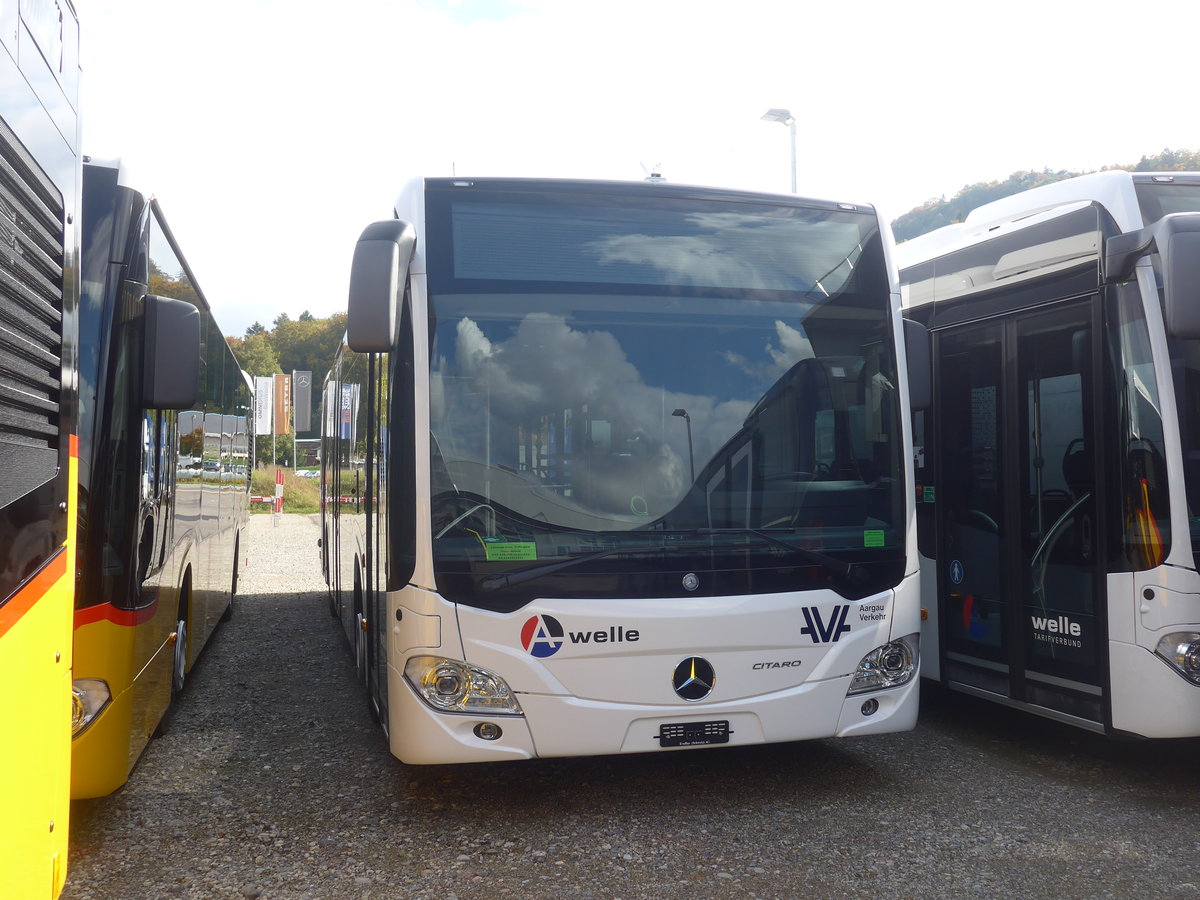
152	540
1019	576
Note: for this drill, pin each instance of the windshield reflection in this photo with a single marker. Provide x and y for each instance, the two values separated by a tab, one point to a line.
638	387
559	438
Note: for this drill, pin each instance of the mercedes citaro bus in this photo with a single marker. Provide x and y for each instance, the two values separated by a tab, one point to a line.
621	467
1058	469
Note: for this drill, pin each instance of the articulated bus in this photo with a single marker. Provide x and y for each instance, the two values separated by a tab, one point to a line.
1058	469
613	468
39	296
164	478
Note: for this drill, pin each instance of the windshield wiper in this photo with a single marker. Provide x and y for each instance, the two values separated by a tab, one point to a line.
508	579
837	567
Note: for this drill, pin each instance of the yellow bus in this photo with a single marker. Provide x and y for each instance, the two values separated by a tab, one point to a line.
39	294
164	477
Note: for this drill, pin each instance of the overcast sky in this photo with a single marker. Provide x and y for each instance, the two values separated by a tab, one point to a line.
273	132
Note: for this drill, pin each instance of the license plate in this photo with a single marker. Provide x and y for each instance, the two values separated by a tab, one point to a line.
693	734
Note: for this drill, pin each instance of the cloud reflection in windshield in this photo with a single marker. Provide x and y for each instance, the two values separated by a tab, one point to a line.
547	366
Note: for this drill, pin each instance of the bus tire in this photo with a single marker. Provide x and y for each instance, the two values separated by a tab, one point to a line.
360	634
179	657
237	558
178	662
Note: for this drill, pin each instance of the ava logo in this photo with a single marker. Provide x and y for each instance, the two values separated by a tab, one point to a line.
542	636
974	624
820	632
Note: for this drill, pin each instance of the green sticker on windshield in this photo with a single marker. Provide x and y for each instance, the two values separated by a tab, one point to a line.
509	551
873	538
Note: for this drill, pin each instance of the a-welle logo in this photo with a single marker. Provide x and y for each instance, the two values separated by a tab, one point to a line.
543	636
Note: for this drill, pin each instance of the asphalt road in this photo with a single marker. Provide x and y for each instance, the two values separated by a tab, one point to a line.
274	782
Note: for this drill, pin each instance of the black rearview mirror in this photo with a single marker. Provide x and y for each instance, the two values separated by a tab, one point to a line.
171	354
377	277
920	376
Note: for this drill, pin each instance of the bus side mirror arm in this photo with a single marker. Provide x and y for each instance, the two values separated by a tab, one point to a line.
920	359
1122	252
377	277
171	354
1176	237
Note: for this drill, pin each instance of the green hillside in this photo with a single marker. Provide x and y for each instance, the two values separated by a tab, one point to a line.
936	213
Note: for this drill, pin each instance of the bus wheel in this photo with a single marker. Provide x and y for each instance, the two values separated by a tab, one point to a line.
360	646
237	553
360	628
179	663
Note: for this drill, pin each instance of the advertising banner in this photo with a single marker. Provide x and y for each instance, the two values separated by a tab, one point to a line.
283	404
302	400
264	403
349	412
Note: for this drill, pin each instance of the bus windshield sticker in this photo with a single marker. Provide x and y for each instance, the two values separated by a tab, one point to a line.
509	551
873	538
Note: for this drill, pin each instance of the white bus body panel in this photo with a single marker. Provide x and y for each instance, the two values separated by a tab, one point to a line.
1113	190
778	678
1150	698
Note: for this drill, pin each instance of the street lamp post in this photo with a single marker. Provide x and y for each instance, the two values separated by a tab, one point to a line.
783	117
682	413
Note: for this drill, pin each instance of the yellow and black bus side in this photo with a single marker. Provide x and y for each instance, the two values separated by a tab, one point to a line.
163	483
39	296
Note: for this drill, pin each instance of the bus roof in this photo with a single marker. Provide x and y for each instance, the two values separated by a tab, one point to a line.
1113	189
410	204
661	185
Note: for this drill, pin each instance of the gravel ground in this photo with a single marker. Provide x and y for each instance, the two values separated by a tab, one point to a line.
274	782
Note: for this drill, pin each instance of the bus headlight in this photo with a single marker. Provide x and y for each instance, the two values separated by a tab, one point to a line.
889	666
453	686
88	697
1182	651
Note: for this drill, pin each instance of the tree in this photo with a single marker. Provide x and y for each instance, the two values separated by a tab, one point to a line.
936	213
256	355
1168	161
179	288
309	345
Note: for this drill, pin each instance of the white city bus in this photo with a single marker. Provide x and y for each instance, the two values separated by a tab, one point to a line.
614	468
1058	469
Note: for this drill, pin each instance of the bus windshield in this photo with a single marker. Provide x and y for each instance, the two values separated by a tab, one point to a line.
1161	198
656	386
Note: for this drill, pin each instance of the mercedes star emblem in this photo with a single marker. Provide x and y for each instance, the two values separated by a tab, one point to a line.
694	678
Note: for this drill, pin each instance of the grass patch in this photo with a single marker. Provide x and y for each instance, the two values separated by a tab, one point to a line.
300	495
